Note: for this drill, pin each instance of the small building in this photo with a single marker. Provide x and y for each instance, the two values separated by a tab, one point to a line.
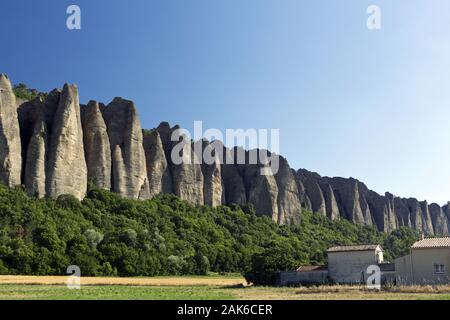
348	264
427	263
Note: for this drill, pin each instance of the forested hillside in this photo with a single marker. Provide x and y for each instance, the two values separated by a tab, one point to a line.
106	234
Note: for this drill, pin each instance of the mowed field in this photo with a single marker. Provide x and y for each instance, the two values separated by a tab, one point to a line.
195	288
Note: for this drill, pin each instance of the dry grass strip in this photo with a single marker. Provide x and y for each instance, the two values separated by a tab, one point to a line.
98	281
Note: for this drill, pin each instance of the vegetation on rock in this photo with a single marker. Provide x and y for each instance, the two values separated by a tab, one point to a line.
21	91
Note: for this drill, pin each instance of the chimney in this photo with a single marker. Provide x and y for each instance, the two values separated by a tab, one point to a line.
422	236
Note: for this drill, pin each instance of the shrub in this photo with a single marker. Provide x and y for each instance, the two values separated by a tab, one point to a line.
93	238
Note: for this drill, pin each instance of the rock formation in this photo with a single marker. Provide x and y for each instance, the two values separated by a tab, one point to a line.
36	159
159	176
55	146
10	145
313	191
66	171
211	170
276	196
97	149
36	121
352	200
439	219
304	199
234	187
187	176
262	190
129	168
289	206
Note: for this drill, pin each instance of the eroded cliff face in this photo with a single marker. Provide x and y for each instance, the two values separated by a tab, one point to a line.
289	206
97	149
52	145
55	146
159	176
352	200
212	172
66	165
262	191
10	145
36	159
276	196
129	166
233	181
187	176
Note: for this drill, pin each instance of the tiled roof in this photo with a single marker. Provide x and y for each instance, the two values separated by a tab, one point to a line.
367	247
311	268
432	243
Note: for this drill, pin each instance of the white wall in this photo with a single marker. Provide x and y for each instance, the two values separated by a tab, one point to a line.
422	261
348	267
403	270
294	277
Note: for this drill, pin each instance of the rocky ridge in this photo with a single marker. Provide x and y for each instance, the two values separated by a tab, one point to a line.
56	146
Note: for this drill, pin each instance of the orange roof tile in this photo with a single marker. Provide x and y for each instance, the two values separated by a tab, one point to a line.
432	243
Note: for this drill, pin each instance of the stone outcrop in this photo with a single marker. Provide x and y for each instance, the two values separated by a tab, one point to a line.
310	181
66	171
36	120
233	181
129	168
439	220
262	190
381	208
187	176
159	176
352	200
55	146
212	172
289	206
276	196
97	149
319	193
403	213
427	224
304	199
415	213
10	144
36	159
351	204
331	205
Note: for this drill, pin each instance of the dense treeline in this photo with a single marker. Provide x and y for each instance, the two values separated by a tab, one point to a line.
109	235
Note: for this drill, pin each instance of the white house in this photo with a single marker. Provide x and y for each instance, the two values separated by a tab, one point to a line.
348	264
427	263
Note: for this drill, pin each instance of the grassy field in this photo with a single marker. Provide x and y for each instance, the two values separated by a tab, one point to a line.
196	288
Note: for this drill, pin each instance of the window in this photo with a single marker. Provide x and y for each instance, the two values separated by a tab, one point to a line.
438	268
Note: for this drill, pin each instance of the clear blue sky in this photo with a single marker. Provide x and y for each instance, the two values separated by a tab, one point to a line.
348	101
